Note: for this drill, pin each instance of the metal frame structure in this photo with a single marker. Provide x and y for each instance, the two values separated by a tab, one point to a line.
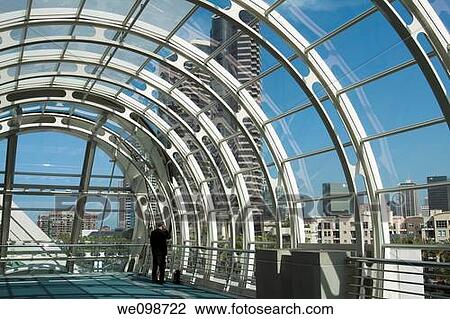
137	98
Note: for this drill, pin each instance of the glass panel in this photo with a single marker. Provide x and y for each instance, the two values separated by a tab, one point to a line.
412	156
32	107
45	178
16	5
104	214
280	92
71	81
86	112
49	47
418	216
130	57
68	67
34	154
48	31
336	229
244	58
57	107
302	132
353	56
272	37
314	19
390	102
197	30
224	4
312	173
140	42
55	4
38	68
84	31
167	13
113	126
47	217
121	7
103	166
10	53
83	46
115	75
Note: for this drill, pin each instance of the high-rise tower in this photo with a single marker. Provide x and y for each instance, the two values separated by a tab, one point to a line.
241	58
438	196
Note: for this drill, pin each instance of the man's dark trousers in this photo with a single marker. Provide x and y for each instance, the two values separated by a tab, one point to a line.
159	264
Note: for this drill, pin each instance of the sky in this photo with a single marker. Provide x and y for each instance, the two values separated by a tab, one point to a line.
59	153
371	46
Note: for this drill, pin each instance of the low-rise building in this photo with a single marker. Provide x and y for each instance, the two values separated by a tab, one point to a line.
56	223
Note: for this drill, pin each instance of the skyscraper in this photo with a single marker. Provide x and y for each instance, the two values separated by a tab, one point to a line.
127	209
408	200
438	196
241	58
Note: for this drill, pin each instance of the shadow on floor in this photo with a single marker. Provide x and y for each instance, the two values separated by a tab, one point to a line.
97	286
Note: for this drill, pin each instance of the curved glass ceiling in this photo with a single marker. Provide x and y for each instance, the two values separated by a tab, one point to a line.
246	122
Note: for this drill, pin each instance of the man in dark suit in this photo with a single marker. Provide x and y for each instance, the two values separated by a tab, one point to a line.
158	242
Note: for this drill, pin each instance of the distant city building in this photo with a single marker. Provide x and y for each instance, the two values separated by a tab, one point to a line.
438	196
55	224
241	58
408	200
108	232
342	229
441	223
434	227
336	206
338	229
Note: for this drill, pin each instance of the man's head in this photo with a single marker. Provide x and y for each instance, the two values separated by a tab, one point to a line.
161	225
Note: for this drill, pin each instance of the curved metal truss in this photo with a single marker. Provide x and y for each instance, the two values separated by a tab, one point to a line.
202	124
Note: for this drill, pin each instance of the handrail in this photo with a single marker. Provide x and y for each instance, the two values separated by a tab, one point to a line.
214	248
74	245
417	263
422	246
381	278
230	270
84	258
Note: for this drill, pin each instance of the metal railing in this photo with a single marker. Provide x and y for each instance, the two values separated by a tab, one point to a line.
88	257
220	269
228	270
409	271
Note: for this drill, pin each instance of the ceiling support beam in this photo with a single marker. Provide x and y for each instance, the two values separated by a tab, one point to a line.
7	198
82	198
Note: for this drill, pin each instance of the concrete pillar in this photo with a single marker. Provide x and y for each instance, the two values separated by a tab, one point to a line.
302	274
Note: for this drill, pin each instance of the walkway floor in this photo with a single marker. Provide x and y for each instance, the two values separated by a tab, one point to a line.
61	286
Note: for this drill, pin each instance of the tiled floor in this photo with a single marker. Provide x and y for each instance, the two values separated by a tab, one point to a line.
96	286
